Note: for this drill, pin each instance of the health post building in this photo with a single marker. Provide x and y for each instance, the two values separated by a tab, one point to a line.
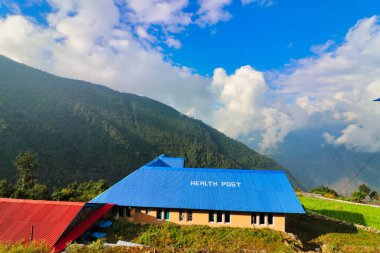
164	190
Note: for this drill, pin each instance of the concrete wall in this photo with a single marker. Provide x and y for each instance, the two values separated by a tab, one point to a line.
199	217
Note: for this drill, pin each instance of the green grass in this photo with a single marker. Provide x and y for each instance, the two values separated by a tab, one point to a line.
334	236
359	214
175	238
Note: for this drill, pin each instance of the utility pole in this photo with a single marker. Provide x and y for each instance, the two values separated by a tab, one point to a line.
32	234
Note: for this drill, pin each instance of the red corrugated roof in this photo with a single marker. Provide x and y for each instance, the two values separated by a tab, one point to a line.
48	218
81	228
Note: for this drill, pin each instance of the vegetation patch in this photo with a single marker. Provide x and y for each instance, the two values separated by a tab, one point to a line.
332	236
175	238
33	247
359	214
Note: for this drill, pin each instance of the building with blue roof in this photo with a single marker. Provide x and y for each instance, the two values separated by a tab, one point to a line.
164	190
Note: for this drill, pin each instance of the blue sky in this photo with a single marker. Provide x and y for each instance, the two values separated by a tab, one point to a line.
266	37
256	70
269	37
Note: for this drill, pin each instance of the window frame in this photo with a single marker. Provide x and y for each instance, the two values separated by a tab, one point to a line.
211	214
225	217
270	216
159	214
262	218
219	214
189	215
121	211
253	218
181	215
166	214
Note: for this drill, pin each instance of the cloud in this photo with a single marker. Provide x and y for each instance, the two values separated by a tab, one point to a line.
212	12
342	83
244	105
78	44
263	3
321	49
337	83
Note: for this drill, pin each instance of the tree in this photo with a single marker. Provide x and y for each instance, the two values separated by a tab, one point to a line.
27	184
322	189
26	164
358	196
6	189
373	195
364	189
83	191
38	191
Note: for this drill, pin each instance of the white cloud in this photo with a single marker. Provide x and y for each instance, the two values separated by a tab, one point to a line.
342	82
320	49
118	51
244	106
263	3
86	47
166	12
172	42
213	11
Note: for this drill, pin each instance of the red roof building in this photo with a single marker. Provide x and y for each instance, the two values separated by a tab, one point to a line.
54	222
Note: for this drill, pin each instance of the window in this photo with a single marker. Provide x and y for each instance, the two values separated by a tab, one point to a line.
121	211
253	218
181	215
219	217
270	218
211	216
137	210
262	219
167	214
189	215
124	212
227	218
159	214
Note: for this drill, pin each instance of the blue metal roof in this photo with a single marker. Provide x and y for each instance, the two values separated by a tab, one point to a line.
165	161
157	186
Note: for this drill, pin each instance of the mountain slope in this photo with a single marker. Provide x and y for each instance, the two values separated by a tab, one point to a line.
83	131
314	162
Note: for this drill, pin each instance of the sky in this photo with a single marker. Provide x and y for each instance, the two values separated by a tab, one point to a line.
256	70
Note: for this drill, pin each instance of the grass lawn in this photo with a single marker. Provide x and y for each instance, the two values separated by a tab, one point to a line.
335	236
364	215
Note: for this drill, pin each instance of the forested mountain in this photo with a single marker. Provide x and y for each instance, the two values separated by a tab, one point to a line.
83	131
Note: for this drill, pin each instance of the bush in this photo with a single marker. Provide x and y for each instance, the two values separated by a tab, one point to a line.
329	195
322	189
34	247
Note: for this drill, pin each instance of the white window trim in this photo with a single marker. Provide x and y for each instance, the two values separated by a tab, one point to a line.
272	220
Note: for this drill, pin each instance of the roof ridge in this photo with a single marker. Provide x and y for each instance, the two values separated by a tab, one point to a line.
52	202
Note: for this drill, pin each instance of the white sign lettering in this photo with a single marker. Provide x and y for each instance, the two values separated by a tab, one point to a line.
214	183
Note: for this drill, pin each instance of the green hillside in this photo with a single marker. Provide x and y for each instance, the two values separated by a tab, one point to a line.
83	131
351	212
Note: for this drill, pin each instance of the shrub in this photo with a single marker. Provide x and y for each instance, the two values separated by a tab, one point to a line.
322	189
329	195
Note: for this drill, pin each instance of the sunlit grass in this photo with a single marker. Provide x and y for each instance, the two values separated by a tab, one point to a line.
359	214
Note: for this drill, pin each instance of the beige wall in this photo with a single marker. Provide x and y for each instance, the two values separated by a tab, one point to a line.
237	219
